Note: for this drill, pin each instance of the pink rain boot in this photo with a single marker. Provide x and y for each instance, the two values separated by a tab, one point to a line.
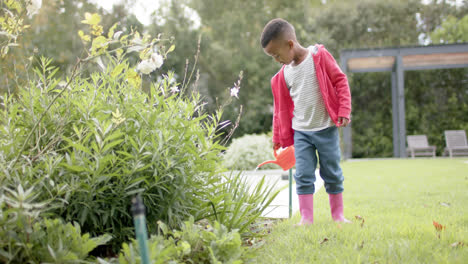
336	206
306	207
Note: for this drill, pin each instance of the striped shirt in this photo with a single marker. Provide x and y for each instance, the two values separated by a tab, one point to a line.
310	113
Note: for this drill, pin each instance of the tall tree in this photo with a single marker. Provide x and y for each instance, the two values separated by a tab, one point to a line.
53	34
452	30
231	32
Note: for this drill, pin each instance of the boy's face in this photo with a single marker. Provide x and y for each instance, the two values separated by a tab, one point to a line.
281	50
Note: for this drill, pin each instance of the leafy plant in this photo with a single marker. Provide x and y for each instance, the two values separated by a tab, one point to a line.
193	243
63	243
240	204
107	141
12	23
26	237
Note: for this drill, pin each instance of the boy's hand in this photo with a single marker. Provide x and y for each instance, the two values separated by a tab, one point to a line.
343	121
276	146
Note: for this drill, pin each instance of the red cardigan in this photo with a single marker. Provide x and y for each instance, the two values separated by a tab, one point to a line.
334	88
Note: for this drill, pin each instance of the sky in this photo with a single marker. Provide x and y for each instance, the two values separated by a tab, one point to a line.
456	2
143	8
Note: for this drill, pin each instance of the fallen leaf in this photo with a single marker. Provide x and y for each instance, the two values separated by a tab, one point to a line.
324	240
438	226
358	217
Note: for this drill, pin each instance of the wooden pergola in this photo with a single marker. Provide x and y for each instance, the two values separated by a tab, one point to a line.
397	61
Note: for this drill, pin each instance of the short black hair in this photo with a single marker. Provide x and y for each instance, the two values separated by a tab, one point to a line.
274	29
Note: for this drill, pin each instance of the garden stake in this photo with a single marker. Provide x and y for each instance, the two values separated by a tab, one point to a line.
290	193
138	211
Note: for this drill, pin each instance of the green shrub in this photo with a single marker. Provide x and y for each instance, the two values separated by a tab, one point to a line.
90	144
104	140
26	237
100	157
246	152
107	141
193	243
435	100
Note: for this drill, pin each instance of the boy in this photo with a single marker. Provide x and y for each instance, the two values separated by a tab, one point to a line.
311	100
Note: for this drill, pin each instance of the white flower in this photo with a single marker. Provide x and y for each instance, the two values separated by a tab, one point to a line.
157	59
33	6
235	91
236	88
146	66
151	64
174	89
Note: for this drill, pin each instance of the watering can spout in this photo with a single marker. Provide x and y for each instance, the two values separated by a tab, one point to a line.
266	162
285	159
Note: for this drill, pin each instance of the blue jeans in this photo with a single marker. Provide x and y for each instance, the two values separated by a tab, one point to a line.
325	143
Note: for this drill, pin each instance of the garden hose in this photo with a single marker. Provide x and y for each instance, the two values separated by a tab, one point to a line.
138	211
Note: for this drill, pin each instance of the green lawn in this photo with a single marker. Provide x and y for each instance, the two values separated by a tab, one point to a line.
398	200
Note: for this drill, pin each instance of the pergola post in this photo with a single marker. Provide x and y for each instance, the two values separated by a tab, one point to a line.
395	129
400	98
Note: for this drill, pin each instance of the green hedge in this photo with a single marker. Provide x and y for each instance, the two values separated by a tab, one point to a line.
435	100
